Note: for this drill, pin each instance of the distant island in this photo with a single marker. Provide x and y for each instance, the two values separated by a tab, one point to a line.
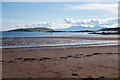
31	30
107	31
42	29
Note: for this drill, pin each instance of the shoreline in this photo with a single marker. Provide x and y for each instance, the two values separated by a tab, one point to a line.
56	47
78	45
70	37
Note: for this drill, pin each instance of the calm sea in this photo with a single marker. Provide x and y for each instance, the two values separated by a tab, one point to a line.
10	41
41	34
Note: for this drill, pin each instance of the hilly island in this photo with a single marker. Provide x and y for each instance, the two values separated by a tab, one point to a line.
31	30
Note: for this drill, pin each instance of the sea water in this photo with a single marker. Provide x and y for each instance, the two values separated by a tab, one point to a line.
17	39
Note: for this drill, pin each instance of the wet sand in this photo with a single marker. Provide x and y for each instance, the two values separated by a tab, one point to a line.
114	37
15	42
61	62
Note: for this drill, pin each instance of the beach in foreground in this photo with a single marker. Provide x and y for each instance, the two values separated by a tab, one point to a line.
61	62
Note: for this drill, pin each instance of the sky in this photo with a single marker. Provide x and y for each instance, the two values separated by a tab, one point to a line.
57	15
60	0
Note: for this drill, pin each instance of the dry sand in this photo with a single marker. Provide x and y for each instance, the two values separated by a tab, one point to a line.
60	62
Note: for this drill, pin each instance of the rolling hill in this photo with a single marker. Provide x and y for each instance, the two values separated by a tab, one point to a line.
31	30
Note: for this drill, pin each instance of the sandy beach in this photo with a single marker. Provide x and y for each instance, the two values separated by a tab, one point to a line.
71	39
61	62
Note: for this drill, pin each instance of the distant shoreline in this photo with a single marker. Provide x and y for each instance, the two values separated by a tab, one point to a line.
63	46
90	32
50	31
105	33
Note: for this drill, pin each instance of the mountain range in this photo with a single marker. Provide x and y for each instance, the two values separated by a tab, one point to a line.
79	28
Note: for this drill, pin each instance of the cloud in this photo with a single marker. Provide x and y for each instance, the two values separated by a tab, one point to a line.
108	22
68	22
40	24
111	7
